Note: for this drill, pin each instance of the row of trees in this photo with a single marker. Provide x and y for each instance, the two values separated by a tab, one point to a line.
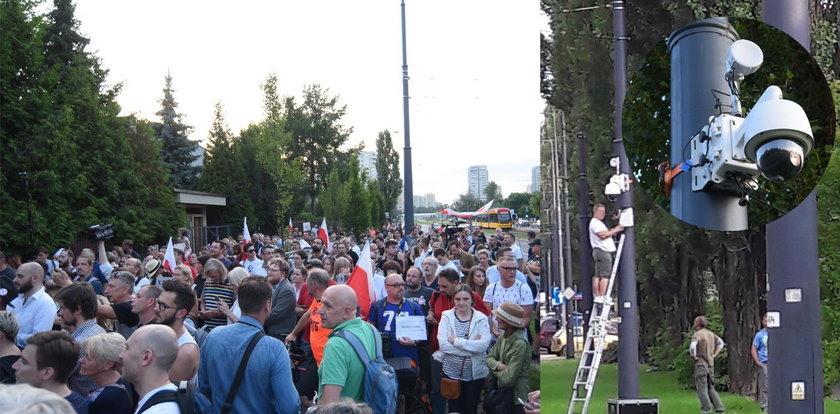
682	270
85	164
525	204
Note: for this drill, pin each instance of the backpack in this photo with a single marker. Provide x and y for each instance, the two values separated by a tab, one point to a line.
189	401
380	381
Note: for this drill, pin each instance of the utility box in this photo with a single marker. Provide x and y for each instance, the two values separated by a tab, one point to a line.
636	406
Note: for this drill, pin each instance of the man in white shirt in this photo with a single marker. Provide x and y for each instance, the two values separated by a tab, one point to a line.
252	264
510	241
603	248
445	263
173	306
508	289
34	309
151	351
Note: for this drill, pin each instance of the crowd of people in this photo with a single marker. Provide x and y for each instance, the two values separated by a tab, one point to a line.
271	325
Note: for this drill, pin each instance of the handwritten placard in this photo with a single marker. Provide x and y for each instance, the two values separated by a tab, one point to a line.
413	327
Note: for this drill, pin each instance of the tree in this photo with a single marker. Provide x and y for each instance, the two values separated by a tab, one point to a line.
224	172
493	192
519	202
377	204
357	208
316	135
178	150
466	202
333	200
388	171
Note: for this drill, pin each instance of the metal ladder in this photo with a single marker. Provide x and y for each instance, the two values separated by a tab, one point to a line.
593	348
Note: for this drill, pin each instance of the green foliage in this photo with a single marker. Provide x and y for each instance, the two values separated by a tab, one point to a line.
59	123
332	199
358	203
316	133
493	192
534	203
178	150
377	204
518	202
466	202
388	171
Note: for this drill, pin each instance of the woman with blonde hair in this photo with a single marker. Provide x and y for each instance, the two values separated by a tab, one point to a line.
9	352
341	270
102	362
236	276
183	274
217	289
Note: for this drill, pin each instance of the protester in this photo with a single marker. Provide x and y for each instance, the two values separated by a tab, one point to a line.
252	264
464	336
430	272
477	280
510	358
235	276
173	306
266	385
341	371
758	351
144	304
705	347
508	289
9	352
384	313
118	290
183	274
150	352
445	263
8	291
341	270
216	289
34	309
298	279
101	363
26	399
282	318
77	306
47	362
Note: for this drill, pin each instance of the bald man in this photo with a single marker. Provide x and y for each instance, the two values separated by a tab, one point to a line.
33	308
341	373
151	351
383	315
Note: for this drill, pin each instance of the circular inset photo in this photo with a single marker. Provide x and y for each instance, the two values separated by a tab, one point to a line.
728	124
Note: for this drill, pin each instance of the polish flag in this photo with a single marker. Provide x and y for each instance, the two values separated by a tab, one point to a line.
169	257
291	227
324	235
246	238
304	245
361	280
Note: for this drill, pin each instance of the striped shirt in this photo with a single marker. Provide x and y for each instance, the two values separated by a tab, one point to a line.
455	366
212	293
78	382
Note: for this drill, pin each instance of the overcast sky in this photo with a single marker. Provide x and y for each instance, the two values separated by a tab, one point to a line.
473	67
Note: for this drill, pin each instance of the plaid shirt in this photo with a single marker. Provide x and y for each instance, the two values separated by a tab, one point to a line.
79	383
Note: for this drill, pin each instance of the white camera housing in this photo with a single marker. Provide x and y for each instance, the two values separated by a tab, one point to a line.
772	141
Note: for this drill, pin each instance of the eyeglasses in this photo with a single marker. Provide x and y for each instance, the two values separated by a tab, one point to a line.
163	307
250	251
395	284
507	268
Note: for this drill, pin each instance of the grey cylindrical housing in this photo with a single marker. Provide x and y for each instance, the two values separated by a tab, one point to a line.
698	56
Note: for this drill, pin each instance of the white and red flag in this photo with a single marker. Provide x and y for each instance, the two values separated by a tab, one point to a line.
324	235
169	257
361	280
246	238
291	227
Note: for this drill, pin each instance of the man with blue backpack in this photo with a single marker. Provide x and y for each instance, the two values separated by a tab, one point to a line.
353	366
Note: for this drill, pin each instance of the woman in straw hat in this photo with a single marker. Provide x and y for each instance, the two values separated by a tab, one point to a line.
510	358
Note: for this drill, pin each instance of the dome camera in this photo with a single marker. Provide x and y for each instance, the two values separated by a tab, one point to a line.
777	136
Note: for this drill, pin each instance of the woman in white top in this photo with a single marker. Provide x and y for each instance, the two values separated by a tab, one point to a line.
236	275
464	336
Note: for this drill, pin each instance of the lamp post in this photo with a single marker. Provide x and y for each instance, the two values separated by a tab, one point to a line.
408	191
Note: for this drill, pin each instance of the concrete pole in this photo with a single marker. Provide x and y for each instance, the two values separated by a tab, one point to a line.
585	257
794	273
408	190
698	56
628	329
567	239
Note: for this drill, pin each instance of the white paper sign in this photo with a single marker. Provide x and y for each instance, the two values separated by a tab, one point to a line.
306	226
413	327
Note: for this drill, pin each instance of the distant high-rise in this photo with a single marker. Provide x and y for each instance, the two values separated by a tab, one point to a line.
477	181
535	180
367	163
430	200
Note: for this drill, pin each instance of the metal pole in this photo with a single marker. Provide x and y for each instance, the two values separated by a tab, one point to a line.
408	191
567	237
793	270
628	329
585	248
698	55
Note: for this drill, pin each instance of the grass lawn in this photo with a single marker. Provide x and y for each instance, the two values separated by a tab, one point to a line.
556	382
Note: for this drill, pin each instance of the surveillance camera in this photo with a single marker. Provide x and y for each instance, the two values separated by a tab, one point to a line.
777	136
743	58
612	189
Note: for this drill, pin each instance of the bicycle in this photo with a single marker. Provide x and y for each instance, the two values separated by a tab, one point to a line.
408	377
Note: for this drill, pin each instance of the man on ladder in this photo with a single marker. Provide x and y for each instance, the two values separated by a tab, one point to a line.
603	248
